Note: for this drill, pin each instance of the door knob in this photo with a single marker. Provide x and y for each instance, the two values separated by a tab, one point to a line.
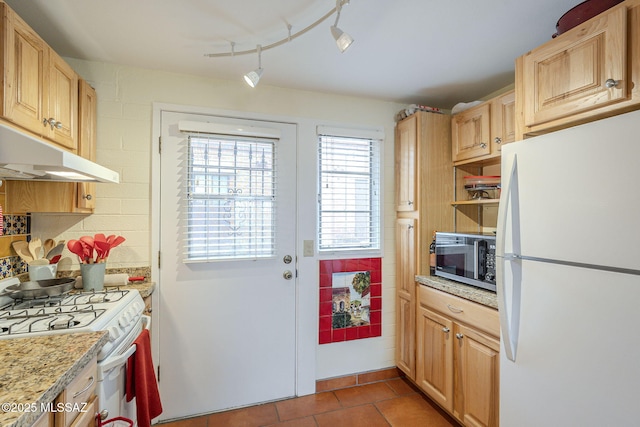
287	259
287	274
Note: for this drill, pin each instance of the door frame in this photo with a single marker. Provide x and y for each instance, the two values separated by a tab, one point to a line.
306	294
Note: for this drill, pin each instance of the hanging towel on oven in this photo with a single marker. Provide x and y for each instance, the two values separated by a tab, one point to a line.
141	381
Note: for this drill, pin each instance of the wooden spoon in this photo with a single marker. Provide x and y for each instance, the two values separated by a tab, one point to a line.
48	245
34	247
22	249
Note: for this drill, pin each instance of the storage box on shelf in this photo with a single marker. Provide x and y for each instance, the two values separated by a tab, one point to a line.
587	73
458	356
424	184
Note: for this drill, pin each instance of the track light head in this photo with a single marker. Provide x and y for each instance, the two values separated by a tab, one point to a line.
343	40
253	77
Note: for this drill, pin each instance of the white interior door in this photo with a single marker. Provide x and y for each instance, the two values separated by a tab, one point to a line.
227	324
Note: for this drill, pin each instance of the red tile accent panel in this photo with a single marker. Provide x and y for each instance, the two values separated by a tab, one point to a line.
328	331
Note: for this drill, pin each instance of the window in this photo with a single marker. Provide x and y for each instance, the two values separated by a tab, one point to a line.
348	193
230	198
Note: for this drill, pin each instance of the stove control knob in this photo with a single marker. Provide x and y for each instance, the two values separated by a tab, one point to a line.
123	321
114	333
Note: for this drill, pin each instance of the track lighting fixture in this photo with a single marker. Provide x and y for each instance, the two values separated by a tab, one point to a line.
343	40
253	77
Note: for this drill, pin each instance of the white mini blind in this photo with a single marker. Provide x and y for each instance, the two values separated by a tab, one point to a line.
348	193
230	198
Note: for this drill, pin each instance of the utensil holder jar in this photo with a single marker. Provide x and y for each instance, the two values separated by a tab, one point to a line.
93	276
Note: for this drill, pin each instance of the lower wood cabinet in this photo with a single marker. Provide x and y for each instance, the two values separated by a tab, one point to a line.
457	356
80	398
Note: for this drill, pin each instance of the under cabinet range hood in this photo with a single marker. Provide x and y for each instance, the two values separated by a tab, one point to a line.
25	157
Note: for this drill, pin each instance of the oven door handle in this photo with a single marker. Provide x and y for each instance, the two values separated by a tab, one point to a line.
121	359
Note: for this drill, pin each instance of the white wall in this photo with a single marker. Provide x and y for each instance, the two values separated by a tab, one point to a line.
125	102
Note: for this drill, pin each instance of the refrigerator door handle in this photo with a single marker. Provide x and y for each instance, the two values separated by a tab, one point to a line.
509	308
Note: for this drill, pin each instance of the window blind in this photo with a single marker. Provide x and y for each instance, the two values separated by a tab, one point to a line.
348	193
230	198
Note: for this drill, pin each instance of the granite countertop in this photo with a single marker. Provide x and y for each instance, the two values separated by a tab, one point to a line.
481	296
145	288
33	371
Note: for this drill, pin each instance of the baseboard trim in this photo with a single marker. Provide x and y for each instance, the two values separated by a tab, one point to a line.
361	378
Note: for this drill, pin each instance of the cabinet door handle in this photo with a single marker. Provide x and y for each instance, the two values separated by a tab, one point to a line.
609	83
91	381
87	196
483	145
454	309
497	140
445	330
459	336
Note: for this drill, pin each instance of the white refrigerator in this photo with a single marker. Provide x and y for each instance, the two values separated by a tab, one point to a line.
568	277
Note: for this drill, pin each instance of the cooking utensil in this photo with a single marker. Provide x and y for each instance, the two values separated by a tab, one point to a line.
39	261
22	249
39	288
55	259
64	264
76	248
48	245
35	248
56	251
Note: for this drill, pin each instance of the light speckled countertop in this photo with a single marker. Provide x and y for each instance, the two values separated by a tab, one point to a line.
471	293
35	370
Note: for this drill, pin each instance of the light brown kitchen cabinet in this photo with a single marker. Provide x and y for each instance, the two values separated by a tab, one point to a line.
503	121
471	134
405	163
45	420
458	356
78	396
40	88
61	197
87	137
406	294
589	72
479	133
424	184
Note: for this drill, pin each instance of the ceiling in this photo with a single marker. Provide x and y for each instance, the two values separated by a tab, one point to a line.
435	53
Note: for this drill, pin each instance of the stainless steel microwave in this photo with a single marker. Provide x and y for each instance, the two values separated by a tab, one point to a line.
467	258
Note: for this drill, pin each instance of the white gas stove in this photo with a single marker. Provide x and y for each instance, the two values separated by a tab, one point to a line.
114	310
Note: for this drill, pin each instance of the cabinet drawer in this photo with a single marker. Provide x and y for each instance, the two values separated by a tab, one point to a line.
480	317
78	392
88	417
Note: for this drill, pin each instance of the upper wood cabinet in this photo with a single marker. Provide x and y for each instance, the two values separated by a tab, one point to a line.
40	89
405	158
478	133
61	197
471	134
590	72
87	137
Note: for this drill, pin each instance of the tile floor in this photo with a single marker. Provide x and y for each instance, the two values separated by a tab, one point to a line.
393	402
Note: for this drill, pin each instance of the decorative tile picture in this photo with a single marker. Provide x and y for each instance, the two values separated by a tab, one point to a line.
350	299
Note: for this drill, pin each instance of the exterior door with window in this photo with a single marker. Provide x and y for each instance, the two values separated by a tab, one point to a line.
227	315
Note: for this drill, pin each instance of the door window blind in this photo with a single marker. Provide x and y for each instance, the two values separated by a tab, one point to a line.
230	198
348	193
